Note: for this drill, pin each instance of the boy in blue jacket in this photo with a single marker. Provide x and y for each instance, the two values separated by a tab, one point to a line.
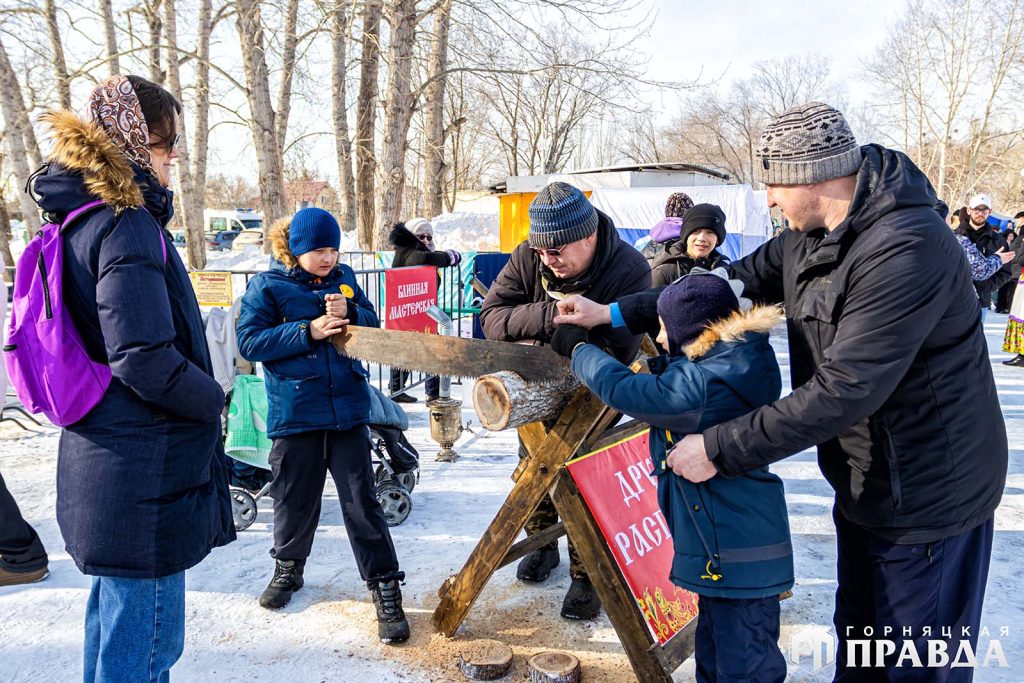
731	536
318	410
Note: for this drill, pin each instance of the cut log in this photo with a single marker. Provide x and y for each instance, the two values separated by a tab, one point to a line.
554	667
485	660
504	400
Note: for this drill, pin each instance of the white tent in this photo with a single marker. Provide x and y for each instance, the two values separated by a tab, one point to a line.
638	209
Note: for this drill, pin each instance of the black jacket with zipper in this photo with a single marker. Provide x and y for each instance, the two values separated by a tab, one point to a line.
988	241
891	374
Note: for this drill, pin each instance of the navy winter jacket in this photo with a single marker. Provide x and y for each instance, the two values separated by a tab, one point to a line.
142	488
310	386
731	536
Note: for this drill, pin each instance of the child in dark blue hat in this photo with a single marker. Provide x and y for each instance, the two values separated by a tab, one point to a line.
319	408
731	536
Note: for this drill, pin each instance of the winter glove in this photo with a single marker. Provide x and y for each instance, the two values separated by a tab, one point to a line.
455	257
566	337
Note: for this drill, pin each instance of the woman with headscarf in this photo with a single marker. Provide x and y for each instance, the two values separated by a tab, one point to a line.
142	490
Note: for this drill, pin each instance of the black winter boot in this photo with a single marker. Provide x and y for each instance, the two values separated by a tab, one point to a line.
392	626
581	601
537	566
287	579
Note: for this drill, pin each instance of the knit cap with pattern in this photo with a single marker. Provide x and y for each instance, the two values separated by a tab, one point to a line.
560	214
808	143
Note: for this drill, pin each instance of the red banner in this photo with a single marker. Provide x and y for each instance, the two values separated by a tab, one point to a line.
623	498
408	293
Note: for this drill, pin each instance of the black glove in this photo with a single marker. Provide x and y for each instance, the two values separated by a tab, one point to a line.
566	337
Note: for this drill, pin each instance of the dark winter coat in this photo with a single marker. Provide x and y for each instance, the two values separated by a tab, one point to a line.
141	479
409	251
735	528
517	307
891	374
988	240
673	262
310	386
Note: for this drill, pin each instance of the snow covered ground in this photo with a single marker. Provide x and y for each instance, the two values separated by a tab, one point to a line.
327	633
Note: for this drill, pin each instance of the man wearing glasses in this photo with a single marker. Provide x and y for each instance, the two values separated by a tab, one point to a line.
988	241
572	248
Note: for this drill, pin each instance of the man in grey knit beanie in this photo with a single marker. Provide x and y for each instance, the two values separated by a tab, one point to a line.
892	383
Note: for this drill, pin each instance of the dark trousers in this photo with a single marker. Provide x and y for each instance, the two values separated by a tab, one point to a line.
738	640
399	378
20	547
1004	297
881	584
546	515
300	463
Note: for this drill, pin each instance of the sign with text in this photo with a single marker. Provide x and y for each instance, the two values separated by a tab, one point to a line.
213	288
623	498
408	293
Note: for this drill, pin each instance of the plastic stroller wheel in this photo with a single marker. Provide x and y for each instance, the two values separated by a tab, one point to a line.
406	479
243	508
395	501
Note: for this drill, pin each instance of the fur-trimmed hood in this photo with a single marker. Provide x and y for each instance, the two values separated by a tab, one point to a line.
759	319
82	148
403	238
278	235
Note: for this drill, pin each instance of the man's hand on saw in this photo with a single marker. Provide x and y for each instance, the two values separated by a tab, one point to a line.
578	310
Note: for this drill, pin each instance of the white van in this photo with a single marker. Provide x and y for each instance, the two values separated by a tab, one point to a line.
215	221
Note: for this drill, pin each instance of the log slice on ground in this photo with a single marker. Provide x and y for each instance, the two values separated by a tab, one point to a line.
554	667
484	660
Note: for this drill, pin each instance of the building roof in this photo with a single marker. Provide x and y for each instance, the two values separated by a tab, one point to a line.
305	190
656	166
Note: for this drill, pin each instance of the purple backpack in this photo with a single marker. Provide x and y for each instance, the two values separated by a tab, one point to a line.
45	357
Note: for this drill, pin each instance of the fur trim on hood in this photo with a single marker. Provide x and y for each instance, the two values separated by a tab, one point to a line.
82	146
734	328
402	237
279	242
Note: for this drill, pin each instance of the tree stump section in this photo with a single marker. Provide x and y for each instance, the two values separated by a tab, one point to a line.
485	660
554	667
504	400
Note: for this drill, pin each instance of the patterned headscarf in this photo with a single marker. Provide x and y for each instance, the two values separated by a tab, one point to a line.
677	205
114	105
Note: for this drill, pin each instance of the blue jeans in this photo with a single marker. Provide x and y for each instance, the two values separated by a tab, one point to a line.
984	314
134	629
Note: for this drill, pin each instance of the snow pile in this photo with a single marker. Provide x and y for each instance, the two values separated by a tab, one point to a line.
466	231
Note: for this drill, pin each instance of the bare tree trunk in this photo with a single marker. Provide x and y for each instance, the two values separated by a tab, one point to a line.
284	96
261	109
110	36
191	201
398	104
433	112
13	109
10	92
151	10
60	67
5	235
366	116
201	127
339	110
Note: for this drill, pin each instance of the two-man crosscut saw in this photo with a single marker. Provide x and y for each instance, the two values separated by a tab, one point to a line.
449	356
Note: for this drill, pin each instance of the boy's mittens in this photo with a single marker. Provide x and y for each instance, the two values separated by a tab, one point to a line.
566	337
